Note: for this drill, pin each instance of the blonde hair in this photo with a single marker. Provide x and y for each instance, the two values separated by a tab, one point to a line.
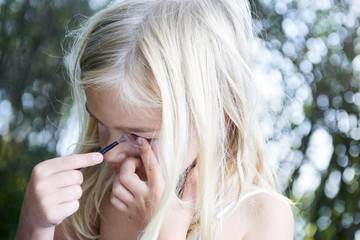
191	60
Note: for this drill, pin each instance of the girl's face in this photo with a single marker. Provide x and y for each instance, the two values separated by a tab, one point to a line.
115	119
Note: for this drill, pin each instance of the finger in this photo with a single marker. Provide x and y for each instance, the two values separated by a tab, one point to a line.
129	178
130	165
118	204
191	185
121	192
71	162
67	194
151	165
65	179
66	209
54	216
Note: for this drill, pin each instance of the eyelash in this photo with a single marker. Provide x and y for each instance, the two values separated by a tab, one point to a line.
132	137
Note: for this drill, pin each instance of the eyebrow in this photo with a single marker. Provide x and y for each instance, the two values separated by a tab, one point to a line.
122	128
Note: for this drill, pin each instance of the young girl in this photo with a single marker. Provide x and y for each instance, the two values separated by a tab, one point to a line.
171	81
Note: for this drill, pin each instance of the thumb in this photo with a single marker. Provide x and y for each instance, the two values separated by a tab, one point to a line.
129	165
191	185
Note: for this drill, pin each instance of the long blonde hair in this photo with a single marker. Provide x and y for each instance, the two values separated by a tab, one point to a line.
191	60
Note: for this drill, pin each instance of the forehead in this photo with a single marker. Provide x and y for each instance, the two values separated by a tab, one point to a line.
106	103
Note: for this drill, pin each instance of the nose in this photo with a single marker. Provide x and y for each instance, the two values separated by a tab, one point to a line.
123	138
124	149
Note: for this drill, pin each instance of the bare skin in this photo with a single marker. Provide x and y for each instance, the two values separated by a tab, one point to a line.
52	194
55	186
135	196
270	218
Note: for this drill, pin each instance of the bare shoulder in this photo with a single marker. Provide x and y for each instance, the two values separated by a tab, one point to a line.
264	215
271	213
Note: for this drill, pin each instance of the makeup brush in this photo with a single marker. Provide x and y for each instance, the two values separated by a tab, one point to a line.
104	150
123	138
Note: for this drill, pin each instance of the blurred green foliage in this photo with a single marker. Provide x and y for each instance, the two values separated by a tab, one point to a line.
33	91
313	48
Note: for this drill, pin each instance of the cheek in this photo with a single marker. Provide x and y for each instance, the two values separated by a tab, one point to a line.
130	148
190	156
103	134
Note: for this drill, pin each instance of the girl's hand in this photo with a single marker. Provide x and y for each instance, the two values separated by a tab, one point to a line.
137	191
52	194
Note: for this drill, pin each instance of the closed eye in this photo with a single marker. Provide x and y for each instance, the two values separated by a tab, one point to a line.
133	137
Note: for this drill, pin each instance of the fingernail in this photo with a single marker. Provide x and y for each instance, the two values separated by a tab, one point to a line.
139	140
98	157
122	156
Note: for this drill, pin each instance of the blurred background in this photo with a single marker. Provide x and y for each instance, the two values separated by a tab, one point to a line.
307	66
